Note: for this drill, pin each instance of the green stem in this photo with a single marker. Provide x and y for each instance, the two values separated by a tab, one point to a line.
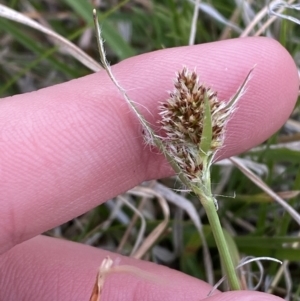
216	228
203	191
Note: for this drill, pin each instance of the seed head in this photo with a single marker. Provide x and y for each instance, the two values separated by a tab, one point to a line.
182	120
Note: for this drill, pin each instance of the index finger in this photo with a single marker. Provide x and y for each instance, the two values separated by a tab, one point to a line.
67	148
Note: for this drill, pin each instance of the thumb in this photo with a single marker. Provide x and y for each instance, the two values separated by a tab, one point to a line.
45	268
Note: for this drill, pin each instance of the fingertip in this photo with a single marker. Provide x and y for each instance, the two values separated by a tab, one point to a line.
269	99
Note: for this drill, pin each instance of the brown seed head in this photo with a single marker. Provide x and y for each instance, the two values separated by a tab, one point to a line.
182	121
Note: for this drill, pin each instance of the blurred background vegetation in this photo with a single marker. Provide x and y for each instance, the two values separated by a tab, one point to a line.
255	224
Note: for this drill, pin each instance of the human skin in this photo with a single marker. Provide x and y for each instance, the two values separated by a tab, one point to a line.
68	148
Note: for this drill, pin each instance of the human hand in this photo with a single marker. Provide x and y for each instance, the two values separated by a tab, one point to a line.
70	147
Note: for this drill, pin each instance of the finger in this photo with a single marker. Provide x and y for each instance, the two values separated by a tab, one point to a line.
67	148
44	268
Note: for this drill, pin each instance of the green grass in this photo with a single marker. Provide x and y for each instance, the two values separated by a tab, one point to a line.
259	227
